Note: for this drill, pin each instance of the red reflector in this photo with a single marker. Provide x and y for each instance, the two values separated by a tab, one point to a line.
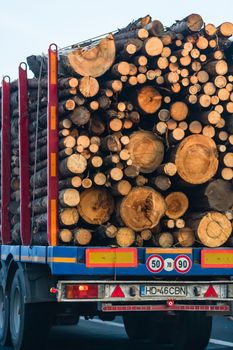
81	291
118	293
170	303
211	293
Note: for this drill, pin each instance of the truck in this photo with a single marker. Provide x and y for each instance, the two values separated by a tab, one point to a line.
165	295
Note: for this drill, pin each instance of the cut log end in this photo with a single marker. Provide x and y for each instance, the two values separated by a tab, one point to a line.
142	208
177	204
95	61
125	237
96	205
149	99
214	229
196	159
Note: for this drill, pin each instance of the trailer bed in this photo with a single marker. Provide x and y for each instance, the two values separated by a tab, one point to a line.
112	261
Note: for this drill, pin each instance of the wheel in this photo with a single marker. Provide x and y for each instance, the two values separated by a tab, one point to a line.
136	326
29	323
145	326
191	331
4	309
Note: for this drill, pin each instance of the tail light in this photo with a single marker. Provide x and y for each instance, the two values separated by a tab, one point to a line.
81	291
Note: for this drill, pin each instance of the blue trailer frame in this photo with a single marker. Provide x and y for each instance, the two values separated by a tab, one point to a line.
72	261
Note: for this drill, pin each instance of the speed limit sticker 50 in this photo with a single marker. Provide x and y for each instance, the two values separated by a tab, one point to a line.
155	263
182	264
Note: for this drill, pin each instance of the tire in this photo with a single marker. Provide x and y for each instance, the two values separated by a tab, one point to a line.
4	309
29	323
136	326
145	326
191	331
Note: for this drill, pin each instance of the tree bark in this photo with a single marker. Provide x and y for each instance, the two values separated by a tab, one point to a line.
216	195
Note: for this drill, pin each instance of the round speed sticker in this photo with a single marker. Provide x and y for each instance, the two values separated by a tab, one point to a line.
182	264
155	263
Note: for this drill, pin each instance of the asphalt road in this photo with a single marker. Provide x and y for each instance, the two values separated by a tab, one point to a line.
98	335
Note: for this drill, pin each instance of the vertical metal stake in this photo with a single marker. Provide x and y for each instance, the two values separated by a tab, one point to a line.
52	150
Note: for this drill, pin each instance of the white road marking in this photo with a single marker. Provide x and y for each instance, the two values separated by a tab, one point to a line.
221	342
120	325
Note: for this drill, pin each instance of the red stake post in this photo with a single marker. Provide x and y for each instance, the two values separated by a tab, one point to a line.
25	226
5	161
52	150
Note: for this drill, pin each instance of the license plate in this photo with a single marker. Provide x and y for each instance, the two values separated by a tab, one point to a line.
158	291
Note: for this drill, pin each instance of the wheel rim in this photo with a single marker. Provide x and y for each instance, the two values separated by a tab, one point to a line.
2	309
16	319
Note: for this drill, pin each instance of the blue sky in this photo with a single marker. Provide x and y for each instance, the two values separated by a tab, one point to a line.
28	27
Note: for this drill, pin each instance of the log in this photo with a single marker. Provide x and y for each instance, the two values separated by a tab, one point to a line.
75	181
96	125
153	46
39	205
100	179
225	29
149	99
69	216
216	195
179	110
164	239
161	182
106	231
142	208
146	151
191	23
69	197
82	236
155	28
212	228
185	237
125	237
196	159
92	61
168	169
218	67
96	206
110	143
80	116
89	86
74	164
121	188
65	236
177	204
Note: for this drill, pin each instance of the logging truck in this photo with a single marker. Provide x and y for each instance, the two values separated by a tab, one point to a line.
116	185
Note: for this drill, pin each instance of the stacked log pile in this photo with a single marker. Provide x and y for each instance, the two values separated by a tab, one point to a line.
145	138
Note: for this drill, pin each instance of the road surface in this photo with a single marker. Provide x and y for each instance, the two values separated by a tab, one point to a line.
98	335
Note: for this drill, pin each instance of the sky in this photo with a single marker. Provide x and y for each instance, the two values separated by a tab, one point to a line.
28	27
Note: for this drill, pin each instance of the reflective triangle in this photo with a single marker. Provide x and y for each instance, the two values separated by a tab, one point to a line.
211	293
118	293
